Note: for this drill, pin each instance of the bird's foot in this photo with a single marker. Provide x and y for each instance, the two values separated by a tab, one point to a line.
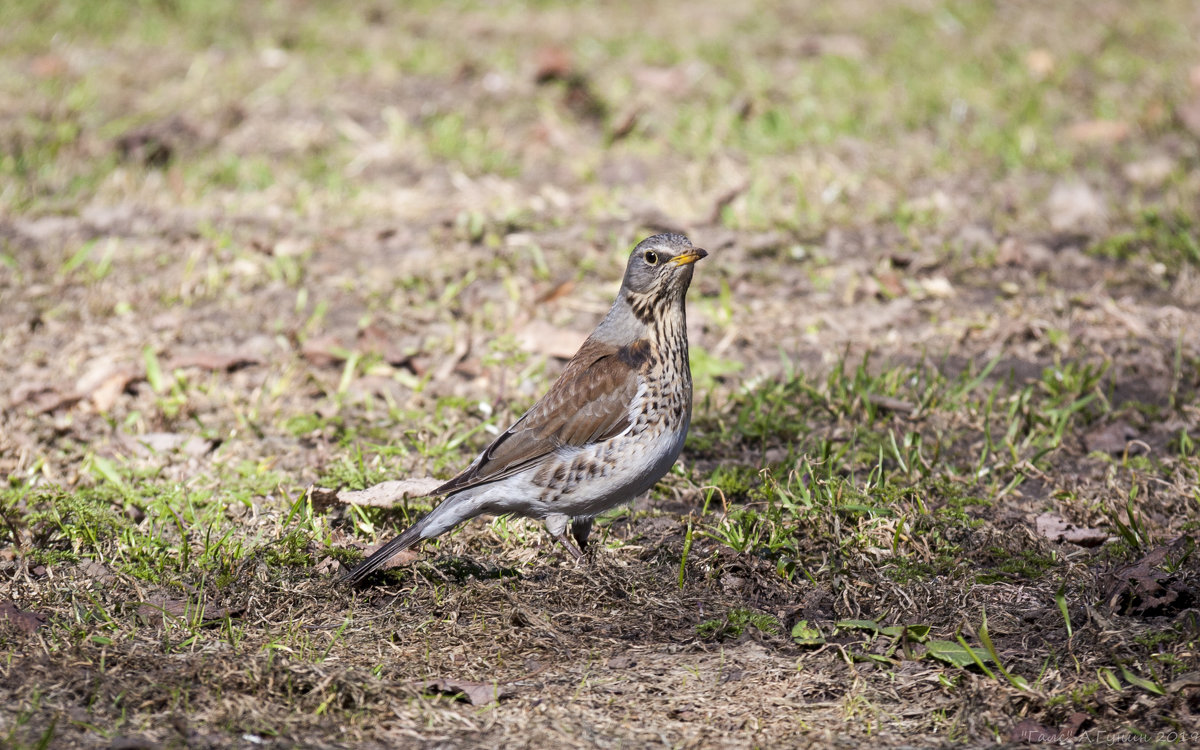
570	547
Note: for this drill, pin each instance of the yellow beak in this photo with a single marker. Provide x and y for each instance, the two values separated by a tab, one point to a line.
691	256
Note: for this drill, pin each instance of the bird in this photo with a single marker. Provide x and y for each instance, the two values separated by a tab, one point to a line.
607	430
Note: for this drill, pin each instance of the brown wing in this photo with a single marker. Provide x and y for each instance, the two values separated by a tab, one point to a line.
588	403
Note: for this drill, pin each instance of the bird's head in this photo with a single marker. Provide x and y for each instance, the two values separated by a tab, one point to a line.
659	272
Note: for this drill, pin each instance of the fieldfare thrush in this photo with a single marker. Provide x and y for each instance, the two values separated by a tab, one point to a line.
608	429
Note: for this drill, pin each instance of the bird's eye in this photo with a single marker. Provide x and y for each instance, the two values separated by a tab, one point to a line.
651	257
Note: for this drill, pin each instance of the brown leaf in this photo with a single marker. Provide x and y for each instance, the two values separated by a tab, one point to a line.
382	495
213	360
1113	439
558	291
22	620
475	693
375	340
48	66
1040	63
160	443
540	337
98	572
104	381
323	351
1074	722
1057	529
124	742
156	143
890	284
892	404
1030	730
156	609
622	661
1075	207
625	122
552	63
663	79
1151	171
833	45
723	200
398	560
110	389
43	399
1183	682
1144	589
1098	132
1189	115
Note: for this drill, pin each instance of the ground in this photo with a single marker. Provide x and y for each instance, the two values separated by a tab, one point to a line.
941	486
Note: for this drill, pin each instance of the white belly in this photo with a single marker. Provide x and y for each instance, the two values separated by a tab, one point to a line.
633	464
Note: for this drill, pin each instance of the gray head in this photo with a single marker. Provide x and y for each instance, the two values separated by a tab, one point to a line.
656	280
661	266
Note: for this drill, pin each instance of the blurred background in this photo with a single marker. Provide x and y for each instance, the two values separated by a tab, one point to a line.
323	171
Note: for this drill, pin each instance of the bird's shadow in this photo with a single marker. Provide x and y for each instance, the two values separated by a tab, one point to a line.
462	569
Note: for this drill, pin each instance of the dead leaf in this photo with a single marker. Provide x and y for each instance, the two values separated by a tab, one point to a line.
105	396
123	742
552	63
104	381
622	661
1030	730
1113	439
475	693
667	80
22	620
891	404
1057	529
43	399
582	100
625	122
98	572
158	443
156	143
374	339
156	609
323	351
1151	171
890	285
1040	63
327	565
1098	132
49	66
833	45
1183	682
723	200
213	360
937	287
558	291
1189	115
1073	206
540	337
1074	722
399	560
382	495
1144	589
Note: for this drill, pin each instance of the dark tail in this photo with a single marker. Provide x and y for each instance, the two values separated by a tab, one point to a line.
451	512
383	554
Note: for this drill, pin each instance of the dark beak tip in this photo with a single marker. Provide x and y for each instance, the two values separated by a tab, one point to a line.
701	252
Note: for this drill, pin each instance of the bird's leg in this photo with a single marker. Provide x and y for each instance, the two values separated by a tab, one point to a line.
580	528
556	524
